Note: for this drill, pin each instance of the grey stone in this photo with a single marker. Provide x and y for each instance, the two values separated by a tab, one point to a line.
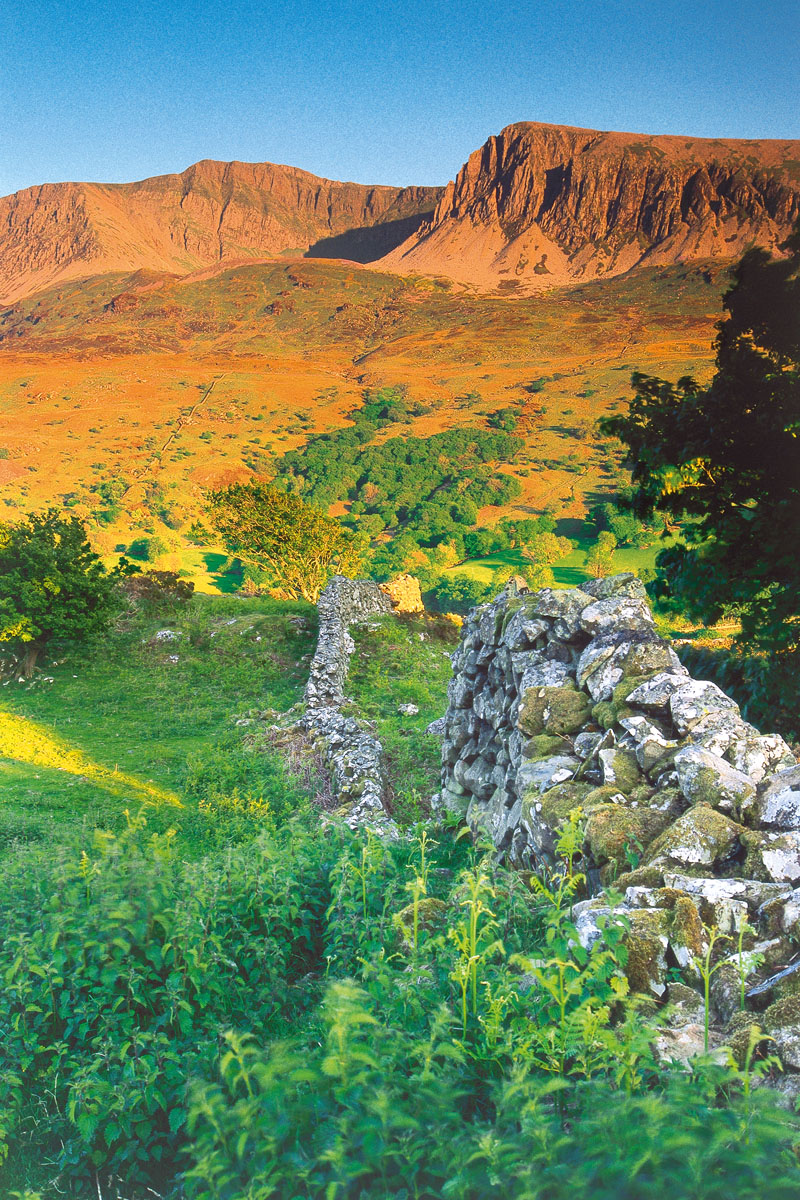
616	613
544	773
704	776
695	700
650	744
563	606
623	584
545	674
777	805
655	694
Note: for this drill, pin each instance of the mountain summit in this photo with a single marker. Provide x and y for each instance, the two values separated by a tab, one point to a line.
540	205
211	214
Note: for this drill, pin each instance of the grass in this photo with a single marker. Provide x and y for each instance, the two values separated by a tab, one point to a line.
404	662
570	571
120	725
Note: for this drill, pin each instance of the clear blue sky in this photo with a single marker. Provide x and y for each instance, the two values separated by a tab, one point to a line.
382	92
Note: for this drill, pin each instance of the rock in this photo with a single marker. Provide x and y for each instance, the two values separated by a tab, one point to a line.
523	630
408	710
404	594
718	731
782	983
684	1043
705	778
431	914
545	674
624	584
619	769
758	754
651	746
782	1022
603	667
777	805
773	856
437	727
688	1004
587	916
647	943
563	607
700	837
585	744
544	773
555	710
616	834
655	694
616	613
695	700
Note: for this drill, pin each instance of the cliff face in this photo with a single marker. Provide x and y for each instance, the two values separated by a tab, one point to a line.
212	213
540	205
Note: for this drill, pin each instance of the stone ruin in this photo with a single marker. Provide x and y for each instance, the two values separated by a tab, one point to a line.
568	704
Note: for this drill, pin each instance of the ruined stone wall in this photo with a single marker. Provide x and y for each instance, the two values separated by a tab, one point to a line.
568	706
567	699
353	754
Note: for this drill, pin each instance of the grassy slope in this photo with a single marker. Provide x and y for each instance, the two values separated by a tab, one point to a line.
116	726
88	392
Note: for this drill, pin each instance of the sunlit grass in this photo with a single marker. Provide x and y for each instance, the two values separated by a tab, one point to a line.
25	741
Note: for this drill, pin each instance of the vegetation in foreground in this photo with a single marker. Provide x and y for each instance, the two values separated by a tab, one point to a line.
223	992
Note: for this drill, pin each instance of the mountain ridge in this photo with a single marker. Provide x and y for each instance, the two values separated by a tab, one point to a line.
209	213
540	205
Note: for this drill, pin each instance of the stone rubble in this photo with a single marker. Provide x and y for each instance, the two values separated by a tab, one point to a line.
569	705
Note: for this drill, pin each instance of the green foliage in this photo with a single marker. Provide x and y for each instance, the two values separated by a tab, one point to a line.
296	544
429	487
726	459
53	588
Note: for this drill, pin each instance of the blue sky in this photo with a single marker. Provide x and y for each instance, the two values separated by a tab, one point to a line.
375	92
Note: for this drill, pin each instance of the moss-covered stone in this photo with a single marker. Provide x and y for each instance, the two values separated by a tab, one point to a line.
616	835
430	914
620	769
560	801
603	795
553	710
642	794
785	1011
701	837
542	746
742	1033
648	876
646	944
608	712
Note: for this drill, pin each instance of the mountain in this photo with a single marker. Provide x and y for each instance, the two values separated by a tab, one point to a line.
540	205
212	213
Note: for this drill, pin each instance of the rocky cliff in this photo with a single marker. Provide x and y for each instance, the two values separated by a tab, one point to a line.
540	205
212	213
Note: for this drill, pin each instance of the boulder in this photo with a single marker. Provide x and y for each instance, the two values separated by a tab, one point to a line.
777	805
616	613
654	695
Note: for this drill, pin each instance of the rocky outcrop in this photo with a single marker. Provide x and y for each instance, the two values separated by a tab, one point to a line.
540	205
566	708
212	213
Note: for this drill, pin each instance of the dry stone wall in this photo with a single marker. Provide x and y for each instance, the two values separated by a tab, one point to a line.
568	705
353	754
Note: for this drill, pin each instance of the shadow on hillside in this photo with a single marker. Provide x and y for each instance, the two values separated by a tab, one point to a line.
368	242
226	575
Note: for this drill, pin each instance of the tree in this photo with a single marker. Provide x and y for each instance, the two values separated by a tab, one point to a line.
725	460
600	559
540	552
53	587
298	546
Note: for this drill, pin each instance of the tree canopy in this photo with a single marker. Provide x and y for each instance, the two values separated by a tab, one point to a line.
53	587
296	545
725	460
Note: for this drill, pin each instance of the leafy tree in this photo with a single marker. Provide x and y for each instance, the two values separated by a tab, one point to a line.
725	459
297	545
600	559
541	551
53	587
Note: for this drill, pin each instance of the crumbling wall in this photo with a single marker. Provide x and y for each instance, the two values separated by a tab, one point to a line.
568	706
353	754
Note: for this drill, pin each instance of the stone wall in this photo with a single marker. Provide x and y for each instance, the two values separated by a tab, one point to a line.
353	754
568	706
561	699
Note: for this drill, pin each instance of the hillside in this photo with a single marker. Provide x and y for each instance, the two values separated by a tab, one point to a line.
541	205
211	213
108	380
